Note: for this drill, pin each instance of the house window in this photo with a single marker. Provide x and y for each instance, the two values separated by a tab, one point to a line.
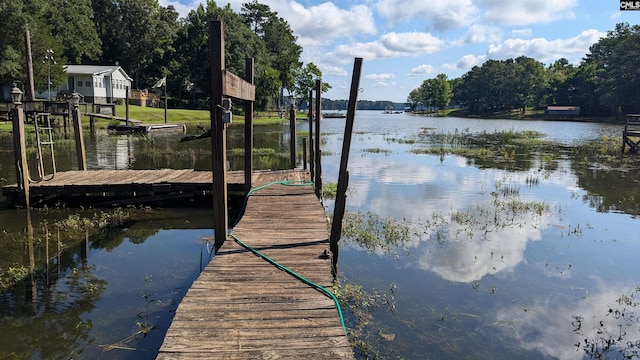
87	83
79	83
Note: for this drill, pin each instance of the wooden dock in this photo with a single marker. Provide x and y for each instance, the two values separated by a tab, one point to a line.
243	307
124	187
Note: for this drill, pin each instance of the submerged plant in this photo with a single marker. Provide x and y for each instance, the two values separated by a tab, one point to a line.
615	336
329	190
358	304
373	232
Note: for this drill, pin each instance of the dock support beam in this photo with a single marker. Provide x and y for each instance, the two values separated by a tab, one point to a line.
292	136
218	135
318	157
248	129
311	157
77	131
343	175
20	151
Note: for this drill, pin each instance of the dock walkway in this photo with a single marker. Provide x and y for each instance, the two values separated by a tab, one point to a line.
243	307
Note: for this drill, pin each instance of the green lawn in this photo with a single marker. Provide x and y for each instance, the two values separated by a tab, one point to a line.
179	116
190	117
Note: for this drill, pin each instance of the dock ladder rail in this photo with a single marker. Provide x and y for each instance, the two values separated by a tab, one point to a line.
48	141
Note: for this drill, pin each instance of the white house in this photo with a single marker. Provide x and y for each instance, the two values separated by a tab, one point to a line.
99	84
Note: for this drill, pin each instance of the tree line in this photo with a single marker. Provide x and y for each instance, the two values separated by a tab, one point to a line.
149	42
605	83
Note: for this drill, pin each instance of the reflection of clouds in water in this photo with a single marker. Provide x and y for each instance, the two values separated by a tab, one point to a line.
549	328
420	189
466	260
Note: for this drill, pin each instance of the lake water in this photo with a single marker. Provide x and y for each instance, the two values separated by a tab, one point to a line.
531	257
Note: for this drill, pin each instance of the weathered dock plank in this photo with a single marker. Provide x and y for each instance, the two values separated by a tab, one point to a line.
101	185
243	307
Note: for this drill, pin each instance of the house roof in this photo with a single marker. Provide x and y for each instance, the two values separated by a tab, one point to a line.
95	70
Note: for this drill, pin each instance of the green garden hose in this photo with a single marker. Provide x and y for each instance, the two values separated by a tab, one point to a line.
280	266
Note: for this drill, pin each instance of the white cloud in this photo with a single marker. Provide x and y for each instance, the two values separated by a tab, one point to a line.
481	34
333	70
439	15
317	24
391	45
182	9
520	33
380	77
525	12
423	69
545	50
466	62
411	42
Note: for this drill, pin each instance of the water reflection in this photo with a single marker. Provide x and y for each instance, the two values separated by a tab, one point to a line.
603	324
455	287
65	293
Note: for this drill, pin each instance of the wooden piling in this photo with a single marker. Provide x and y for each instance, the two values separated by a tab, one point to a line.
304	153
31	94
77	131
218	134
248	129
311	157
343	175
292	136
20	152
318	157
126	105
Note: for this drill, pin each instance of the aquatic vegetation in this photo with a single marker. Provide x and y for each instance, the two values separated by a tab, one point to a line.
98	221
614	336
508	149
373	232
376	150
329	190
357	305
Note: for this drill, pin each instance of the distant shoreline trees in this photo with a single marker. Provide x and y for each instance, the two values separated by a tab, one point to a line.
605	83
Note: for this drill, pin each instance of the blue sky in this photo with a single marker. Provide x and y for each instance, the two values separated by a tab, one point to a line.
404	42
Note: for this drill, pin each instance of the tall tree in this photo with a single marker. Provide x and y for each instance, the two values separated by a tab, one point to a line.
558	75
442	91
283	50
529	82
306	77
133	33
73	22
618	66
256	15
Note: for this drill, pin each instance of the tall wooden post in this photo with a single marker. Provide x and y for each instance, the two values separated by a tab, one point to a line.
218	135
311	157
248	130
304	153
126	106
31	94
77	131
292	137
165	99
20	151
318	155
343	175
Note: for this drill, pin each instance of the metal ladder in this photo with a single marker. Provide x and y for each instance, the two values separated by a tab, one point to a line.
46	117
